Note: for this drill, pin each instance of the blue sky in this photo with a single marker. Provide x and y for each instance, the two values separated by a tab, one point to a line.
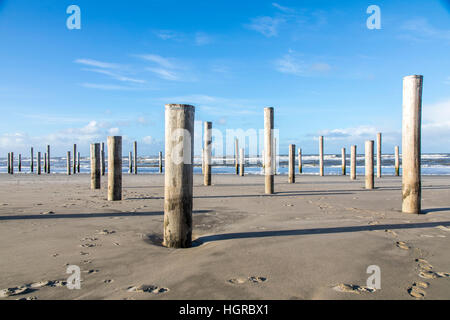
315	62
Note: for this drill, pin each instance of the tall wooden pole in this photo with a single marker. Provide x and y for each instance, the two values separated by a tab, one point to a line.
344	162
135	158
178	186
268	150
242	162
78	162
68	163
379	155
160	162
95	166
369	165
130	163
103	161
45	162
397	161
236	155
321	171
275	160
48	159
411	144
20	163
114	168
207	149
31	160
38	163
9	162
74	159
291	163
300	161
353	163
12	162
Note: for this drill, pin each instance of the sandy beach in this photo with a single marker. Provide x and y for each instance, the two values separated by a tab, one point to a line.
313	239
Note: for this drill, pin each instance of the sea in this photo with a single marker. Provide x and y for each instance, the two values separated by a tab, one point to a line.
432	164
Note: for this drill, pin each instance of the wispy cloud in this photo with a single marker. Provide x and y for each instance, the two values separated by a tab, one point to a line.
420	30
105	86
159	60
98	64
291	63
283	8
202	38
268	26
168	34
115	76
164	73
164	68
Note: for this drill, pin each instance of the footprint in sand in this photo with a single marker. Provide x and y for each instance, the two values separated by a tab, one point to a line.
91	271
147	289
251	279
402	245
352	288
9	292
108	281
105	232
426	271
47	213
416	291
391	232
443	228
27	288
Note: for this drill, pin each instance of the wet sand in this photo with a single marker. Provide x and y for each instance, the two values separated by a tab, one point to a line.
311	240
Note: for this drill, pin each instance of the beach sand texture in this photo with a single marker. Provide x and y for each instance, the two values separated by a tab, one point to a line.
310	240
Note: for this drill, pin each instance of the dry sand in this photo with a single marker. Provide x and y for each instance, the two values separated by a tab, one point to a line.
311	240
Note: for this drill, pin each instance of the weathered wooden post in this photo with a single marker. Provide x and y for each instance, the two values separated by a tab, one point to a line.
68	163
236	155
344	162
207	149
78	162
411	144
321	170
95	166
300	161
353	163
160	162
291	163
242	162
74	159
268	149
48	159
31	160
12	162
103	161
114	168
397	161
379	155
275	152
45	162
203	160
39	163
178	187
8	165
130	163
369	164
135	158
20	163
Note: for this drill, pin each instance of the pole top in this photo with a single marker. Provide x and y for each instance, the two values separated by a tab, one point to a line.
174	106
416	76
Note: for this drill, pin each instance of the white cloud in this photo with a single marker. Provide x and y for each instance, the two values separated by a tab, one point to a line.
283	8
115	76
148	140
268	26
103	86
421	29
164	74
167	34
291	63
356	133
98	64
161	61
202	38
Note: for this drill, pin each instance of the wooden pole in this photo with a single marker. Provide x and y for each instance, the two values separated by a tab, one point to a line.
160	162
236	155
135	158
78	162
45	162
114	168
12	162
353	163
9	163
344	162
68	163
379	155
20	163
48	159
203	160
321	156
74	159
300	161
39	163
242	162
291	163
130	163
369	164
397	161
178	186
31	160
207	148
103	161
95	166
268	150
275	160
411	144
